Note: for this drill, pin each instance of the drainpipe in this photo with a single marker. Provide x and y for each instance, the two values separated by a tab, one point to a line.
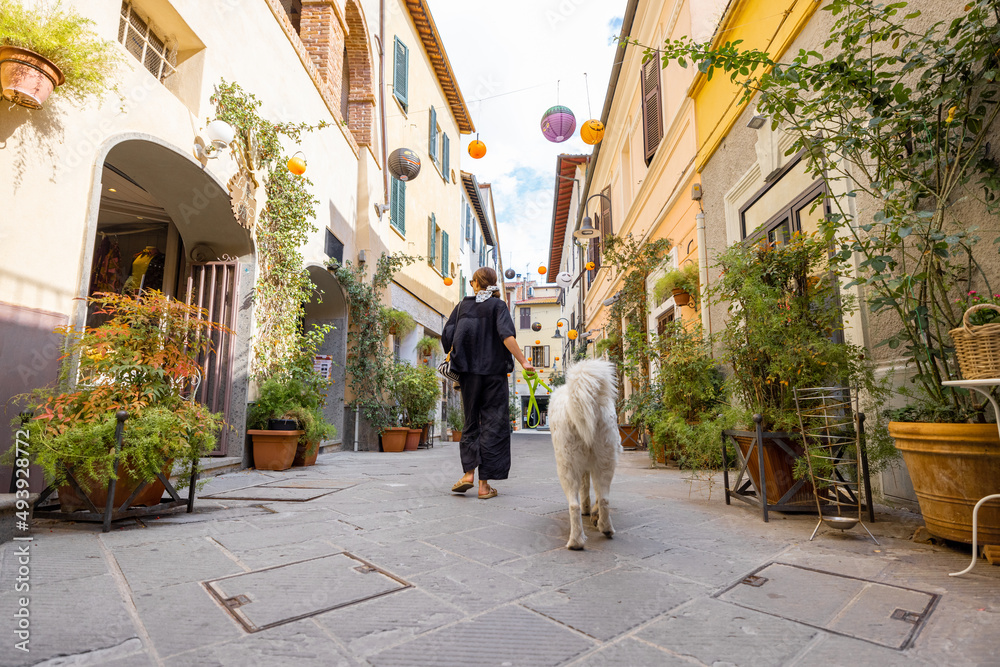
703	276
381	101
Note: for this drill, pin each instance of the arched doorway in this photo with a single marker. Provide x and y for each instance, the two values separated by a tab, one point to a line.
160	221
329	306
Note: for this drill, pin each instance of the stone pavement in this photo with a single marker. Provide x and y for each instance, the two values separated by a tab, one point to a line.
367	559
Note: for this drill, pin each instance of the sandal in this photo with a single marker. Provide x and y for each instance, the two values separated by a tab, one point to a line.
462	486
492	493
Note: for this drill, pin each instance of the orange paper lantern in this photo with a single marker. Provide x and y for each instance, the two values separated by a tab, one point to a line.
538	342
541	270
592	132
590	266
572	334
557	358
558	324
477	149
297	165
448	281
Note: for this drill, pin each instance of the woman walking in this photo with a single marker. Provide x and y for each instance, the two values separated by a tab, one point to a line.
479	336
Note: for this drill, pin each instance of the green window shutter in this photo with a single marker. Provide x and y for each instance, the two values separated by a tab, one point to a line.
400	74
397	204
444	254
446	157
433	139
431	240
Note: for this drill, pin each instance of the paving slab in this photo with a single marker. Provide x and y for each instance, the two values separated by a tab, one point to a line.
559	566
711	569
472	587
274	494
510	635
184	617
168	563
518	540
472	549
631	652
609	604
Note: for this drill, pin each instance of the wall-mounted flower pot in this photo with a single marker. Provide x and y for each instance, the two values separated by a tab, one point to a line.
681	297
274	450
952	467
412	439
27	78
302	455
394	439
456	436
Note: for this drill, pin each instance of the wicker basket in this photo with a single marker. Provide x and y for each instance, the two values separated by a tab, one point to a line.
978	347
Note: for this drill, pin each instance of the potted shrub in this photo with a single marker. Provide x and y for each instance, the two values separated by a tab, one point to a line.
45	47
141	360
427	346
917	254
784	331
399	323
456	422
682	283
286	421
417	389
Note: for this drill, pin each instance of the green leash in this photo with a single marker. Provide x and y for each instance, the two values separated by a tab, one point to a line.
532	379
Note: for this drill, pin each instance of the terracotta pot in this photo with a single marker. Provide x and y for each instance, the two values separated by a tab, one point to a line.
952	467
394	439
631	436
274	450
456	436
681	297
27	78
303	459
71	501
778	468
412	439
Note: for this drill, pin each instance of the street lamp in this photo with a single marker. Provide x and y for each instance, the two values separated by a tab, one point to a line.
587	229
558	333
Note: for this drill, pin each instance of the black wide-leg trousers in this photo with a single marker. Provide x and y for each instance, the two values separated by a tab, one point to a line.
486	435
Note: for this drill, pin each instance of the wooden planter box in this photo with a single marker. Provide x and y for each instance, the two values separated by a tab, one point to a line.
274	450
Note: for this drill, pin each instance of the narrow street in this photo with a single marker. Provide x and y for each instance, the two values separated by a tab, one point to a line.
459	581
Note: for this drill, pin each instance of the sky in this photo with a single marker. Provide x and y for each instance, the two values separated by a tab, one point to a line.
496	54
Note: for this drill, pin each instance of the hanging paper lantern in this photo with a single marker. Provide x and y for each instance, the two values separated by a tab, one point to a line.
590	266
297	165
564	279
558	124
477	149
557	358
404	164
592	132
448	282
538	342
536	326
510	274
572	334
541	270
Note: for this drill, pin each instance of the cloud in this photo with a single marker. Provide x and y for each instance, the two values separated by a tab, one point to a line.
530	44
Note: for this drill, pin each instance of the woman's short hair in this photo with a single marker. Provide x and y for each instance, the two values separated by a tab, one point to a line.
486	277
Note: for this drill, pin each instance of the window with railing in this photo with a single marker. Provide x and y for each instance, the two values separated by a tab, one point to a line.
141	40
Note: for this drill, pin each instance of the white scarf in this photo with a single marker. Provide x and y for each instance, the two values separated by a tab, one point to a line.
482	295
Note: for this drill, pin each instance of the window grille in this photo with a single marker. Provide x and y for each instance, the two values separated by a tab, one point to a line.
142	42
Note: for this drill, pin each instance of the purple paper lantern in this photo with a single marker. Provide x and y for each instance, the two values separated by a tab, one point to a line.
558	124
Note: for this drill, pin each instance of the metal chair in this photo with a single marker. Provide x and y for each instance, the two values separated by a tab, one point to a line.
832	429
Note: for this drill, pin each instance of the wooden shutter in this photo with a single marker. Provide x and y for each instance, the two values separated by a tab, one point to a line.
652	109
400	75
607	229
431	240
527	352
397	204
525	318
433	139
444	254
547	358
445	156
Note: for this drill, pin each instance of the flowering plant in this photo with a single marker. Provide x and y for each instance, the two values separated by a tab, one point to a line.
984	315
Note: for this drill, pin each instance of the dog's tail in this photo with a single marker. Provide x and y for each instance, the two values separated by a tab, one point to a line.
590	384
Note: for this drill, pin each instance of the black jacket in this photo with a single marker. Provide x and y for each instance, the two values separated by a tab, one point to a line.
475	340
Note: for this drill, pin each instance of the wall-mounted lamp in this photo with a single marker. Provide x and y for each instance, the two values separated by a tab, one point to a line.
757	121
219	134
587	229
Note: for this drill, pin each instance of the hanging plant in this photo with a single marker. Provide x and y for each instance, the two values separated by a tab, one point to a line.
399	322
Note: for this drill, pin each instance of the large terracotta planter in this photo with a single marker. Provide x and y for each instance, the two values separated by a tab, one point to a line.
274	450
456	436
952	467
412	439
27	78
127	483
304	459
778	468
394	439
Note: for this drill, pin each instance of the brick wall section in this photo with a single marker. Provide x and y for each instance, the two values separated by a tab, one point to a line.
361	97
322	33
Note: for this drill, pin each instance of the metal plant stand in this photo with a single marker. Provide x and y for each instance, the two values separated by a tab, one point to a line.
125	511
832	428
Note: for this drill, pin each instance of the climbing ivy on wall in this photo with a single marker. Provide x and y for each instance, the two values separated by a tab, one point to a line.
283	286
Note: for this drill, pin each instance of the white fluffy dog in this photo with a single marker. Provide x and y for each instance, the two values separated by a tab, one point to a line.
586	440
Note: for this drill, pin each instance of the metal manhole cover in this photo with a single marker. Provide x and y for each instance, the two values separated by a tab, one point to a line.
879	613
276	493
286	593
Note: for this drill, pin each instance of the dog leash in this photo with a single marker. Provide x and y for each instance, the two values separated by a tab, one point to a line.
532	380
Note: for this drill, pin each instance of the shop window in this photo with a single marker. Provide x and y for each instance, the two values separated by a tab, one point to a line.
142	41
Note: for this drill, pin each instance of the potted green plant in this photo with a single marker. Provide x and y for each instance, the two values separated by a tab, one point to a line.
682	283
399	323
48	46
141	360
456	422
427	346
916	143
417	389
